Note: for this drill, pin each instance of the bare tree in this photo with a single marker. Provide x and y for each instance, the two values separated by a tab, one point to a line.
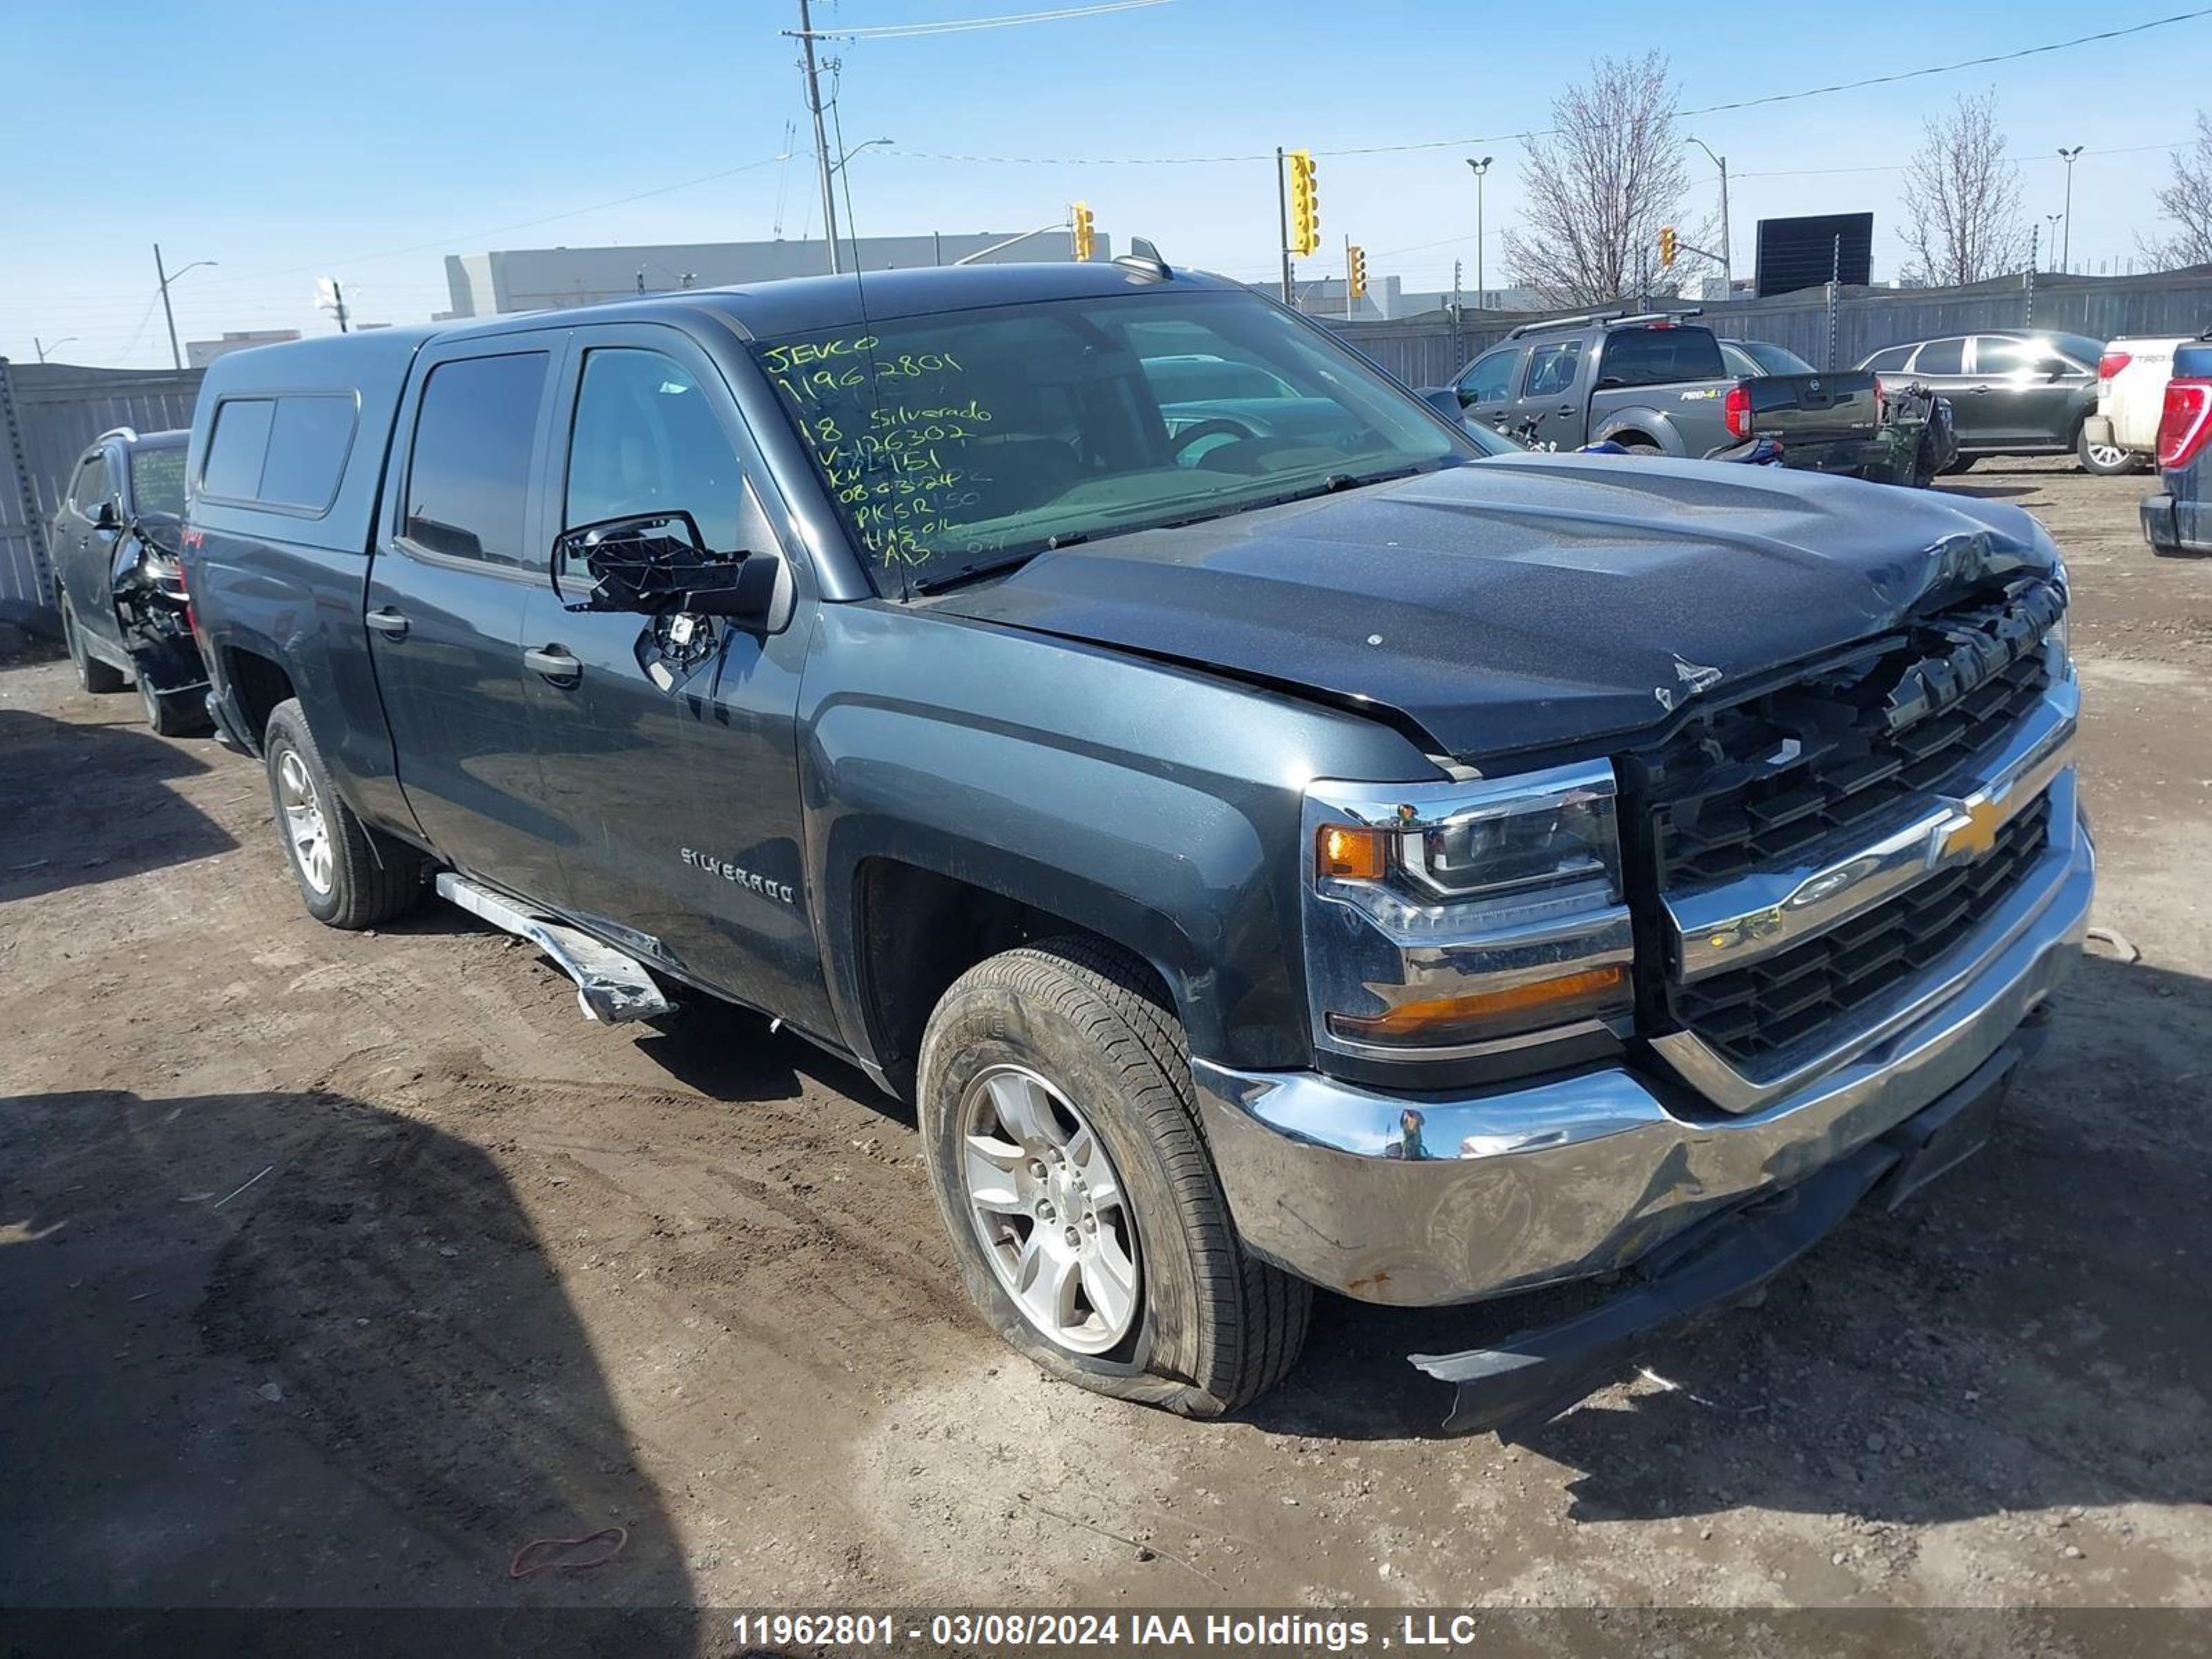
2186	200
1962	211
1600	186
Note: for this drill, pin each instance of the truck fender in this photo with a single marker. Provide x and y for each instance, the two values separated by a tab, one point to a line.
1656	423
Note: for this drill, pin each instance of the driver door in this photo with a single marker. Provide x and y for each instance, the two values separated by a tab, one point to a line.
671	768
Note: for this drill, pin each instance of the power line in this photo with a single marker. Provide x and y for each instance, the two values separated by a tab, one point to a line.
1546	132
960	26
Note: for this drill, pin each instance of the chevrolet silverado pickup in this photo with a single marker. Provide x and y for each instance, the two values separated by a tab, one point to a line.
1273	837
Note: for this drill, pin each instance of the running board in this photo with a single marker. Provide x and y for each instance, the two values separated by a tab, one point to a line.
611	987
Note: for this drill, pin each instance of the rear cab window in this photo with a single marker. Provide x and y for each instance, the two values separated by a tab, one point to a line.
1655	355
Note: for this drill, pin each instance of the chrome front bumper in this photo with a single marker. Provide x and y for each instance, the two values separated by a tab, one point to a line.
1421	1200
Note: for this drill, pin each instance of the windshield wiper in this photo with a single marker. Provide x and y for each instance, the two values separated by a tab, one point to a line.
968	573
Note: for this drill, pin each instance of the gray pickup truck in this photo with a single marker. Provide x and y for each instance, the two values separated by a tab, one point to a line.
1275	838
1650	382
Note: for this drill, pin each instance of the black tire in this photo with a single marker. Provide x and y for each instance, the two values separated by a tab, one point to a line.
1964	464
92	674
1641	447
2115	462
1216	1327
372	878
176	714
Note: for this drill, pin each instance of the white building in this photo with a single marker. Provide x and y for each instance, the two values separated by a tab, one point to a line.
198	354
541	279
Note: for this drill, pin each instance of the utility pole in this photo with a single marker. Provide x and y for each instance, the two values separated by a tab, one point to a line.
176	357
1728	251
821	138
1480	168
2034	254
2066	253
1283	217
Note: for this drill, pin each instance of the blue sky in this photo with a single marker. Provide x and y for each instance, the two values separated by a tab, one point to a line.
286	142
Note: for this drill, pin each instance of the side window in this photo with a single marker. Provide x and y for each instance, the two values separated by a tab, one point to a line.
1552	368
308	440
1993	355
1892	361
646	438
237	448
89	488
468	476
1941	357
1491	379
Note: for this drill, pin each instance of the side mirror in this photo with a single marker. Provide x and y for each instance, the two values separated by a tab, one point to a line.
107	517
657	564
1445	401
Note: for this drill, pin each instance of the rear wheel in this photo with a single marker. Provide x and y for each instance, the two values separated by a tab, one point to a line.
1058	1121
92	674
1964	464
1639	446
349	875
2103	460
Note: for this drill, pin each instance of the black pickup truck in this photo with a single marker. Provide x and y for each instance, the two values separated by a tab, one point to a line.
1275	838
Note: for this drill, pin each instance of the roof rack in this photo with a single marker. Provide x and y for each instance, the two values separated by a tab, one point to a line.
1607	319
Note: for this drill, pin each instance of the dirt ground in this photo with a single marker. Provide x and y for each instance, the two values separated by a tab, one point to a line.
336	1268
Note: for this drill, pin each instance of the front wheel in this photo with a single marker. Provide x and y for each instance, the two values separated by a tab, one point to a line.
173	714
2103	460
349	876
1058	1122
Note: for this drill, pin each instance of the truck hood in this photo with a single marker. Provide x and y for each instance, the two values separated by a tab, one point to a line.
1528	601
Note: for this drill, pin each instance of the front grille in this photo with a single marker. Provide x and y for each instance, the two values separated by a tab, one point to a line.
1755	1011
1756	784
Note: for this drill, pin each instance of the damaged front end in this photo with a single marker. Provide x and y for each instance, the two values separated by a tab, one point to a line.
154	613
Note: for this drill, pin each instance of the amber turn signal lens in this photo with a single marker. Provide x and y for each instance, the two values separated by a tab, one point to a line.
1484	1013
1349	854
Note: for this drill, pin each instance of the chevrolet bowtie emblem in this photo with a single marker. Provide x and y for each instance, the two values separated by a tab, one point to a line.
1978	833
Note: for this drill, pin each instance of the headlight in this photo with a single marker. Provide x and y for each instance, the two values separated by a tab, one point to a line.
1463	916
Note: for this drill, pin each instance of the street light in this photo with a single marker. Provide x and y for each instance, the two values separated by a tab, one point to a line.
844	158
43	348
1480	168
176	357
1728	264
2067	155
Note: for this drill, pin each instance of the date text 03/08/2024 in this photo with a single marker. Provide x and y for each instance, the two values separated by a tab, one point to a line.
1241	1632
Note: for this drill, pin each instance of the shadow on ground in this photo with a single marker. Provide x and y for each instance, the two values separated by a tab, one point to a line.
81	803
290	1349
2030	1331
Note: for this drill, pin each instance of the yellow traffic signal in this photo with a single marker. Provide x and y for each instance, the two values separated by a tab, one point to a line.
1305	204
1355	269
1081	217
1665	244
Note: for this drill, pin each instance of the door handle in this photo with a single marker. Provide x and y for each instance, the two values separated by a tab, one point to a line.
555	665
388	623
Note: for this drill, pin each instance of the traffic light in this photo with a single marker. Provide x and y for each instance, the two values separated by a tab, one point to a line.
1305	204
1666	245
1355	269
1080	215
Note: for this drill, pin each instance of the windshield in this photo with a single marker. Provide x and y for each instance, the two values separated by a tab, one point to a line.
157	479
971	438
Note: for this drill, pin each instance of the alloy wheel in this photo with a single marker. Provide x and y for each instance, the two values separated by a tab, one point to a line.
1049	1208
305	826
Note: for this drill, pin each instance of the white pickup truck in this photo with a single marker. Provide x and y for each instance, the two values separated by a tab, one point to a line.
2132	378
